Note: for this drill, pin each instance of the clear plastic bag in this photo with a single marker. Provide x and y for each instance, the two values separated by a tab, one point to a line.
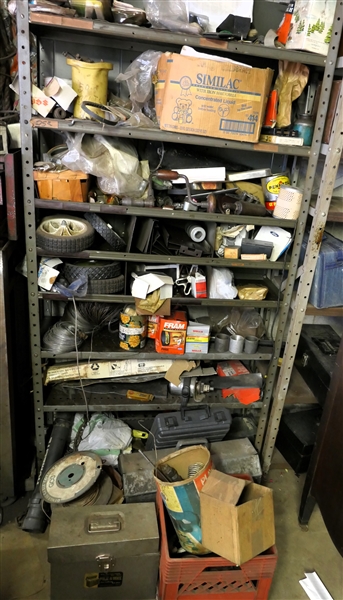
246	321
222	284
109	158
138	77
103	435
76	289
170	14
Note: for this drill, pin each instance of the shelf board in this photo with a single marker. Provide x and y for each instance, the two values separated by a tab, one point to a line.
105	346
60	401
86	126
155	36
333	311
124	299
165	259
335	213
163	213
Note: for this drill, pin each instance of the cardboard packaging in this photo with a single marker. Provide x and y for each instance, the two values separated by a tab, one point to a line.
237	517
197	338
232	368
206	97
199	286
105	369
164	310
153	326
311	26
171	338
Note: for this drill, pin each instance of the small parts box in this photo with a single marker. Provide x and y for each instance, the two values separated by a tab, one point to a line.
171	338
104	552
211	577
232	368
197	338
69	186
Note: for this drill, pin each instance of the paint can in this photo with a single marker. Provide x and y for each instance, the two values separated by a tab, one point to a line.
288	202
132	329
182	499
271	188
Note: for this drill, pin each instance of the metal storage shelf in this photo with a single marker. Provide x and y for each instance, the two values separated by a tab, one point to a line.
157	37
335	213
165	259
59	401
85	126
104	347
163	213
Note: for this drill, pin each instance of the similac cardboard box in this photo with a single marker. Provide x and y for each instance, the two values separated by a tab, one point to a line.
207	97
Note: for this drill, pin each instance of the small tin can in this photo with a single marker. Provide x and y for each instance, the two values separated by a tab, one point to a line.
132	329
271	188
304	125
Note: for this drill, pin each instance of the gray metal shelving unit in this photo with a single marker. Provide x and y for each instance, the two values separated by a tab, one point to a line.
103	37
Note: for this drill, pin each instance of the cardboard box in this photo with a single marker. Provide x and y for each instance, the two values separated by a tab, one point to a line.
237	517
171	338
212	98
311	26
164	310
232	368
104	369
153	326
197	338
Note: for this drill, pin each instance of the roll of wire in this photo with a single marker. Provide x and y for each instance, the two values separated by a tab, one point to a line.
92	316
194	469
61	337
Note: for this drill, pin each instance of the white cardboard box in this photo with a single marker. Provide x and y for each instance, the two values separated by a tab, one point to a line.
311	26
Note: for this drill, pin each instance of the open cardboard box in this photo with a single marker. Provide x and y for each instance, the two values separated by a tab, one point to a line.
237	517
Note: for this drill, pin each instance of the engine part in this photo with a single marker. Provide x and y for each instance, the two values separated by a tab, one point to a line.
221	342
236	344
195	388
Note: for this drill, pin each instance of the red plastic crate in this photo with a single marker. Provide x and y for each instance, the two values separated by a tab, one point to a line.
212	578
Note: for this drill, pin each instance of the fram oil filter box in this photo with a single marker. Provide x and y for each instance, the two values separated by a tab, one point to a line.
211	98
232	368
171	338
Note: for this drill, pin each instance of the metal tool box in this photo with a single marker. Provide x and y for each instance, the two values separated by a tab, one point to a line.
203	422
297	436
104	552
315	357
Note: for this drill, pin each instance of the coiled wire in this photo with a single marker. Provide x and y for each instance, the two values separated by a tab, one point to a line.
61	338
194	469
92	316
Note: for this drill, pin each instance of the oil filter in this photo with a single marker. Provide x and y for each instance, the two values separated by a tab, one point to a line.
271	188
288	202
132	329
196	232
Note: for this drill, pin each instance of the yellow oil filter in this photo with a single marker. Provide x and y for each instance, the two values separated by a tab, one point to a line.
90	82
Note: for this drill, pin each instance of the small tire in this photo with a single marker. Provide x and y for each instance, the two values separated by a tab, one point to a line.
92	269
106	231
49	234
106	286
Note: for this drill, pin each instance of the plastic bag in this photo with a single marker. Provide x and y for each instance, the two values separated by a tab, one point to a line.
170	14
76	289
246	321
109	158
104	435
138	77
222	284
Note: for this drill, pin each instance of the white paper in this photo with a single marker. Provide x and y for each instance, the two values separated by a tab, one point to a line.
66	95
201	174
218	10
40	102
314	587
188	51
280	238
146	284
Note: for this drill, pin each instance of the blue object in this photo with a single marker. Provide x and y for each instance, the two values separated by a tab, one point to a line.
327	286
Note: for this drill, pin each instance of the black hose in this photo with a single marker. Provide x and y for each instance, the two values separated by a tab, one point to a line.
35	520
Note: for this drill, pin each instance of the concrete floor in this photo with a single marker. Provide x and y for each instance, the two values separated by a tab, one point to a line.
25	570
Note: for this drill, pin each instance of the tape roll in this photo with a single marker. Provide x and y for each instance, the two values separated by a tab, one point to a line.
196	232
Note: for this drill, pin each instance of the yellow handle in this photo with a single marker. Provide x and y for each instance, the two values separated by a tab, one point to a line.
139	434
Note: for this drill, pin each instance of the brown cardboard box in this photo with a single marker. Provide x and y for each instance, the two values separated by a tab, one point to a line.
237	517
212	98
163	311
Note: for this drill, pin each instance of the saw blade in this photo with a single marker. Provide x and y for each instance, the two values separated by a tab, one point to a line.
70	477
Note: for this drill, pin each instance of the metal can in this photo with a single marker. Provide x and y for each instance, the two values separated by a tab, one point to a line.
132	329
305	127
271	188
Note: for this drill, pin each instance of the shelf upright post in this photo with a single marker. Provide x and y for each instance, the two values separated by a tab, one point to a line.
312	251
299	231
23	43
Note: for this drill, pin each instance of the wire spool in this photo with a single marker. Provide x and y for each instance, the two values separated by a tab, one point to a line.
194	469
92	316
70	477
62	337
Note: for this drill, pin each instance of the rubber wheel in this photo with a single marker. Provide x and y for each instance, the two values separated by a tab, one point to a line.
106	286
106	231
92	269
63	234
